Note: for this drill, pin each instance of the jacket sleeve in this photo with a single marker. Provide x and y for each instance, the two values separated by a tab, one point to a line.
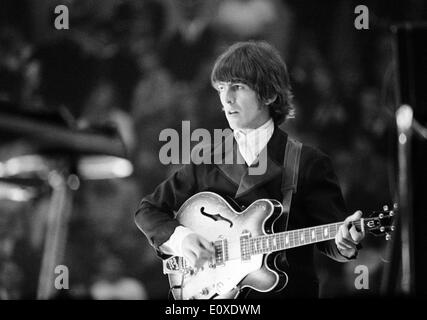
155	213
323	200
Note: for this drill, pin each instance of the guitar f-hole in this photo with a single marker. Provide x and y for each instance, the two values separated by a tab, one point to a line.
215	217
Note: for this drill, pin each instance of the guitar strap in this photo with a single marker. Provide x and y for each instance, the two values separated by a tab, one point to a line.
290	174
289	179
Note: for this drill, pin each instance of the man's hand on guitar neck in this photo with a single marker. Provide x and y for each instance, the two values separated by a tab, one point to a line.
197	250
348	238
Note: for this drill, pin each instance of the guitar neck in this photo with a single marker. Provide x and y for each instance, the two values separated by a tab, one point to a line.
291	239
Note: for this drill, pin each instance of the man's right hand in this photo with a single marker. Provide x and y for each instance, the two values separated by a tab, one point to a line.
197	250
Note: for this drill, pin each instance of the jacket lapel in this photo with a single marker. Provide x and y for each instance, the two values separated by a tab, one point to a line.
229	160
249	178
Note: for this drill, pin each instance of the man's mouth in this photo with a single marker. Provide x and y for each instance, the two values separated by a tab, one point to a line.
232	112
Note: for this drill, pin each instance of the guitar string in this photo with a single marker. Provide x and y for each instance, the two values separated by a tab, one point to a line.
298	231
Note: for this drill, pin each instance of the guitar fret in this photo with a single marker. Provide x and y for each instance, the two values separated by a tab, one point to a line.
318	234
325	232
334	230
312	235
295	238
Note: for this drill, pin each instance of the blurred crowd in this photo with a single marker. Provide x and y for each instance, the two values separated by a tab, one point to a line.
143	66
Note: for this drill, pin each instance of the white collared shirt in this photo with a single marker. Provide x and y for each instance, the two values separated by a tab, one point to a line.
252	141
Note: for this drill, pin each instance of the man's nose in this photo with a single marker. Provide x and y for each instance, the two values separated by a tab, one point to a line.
230	96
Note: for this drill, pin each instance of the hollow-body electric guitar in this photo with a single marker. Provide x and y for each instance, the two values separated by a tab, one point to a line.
245	246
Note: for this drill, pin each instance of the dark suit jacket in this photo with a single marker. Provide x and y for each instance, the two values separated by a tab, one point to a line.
318	200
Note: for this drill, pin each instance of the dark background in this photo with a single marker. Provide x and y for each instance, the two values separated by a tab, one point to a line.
144	66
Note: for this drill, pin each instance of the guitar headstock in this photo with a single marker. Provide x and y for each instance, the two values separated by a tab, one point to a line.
381	222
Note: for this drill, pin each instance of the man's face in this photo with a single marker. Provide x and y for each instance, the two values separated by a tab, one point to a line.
242	108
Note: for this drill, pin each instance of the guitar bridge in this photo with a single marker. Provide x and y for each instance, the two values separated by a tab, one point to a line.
179	265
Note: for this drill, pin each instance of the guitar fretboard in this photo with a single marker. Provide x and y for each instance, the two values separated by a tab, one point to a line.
289	239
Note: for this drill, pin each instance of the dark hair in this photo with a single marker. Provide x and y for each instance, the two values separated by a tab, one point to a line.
258	65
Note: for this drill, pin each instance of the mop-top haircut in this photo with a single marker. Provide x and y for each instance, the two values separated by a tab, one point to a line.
258	65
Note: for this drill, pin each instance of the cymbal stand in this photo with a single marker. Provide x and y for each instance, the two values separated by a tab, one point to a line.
56	231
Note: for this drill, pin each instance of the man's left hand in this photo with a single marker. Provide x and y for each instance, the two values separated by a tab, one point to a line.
347	238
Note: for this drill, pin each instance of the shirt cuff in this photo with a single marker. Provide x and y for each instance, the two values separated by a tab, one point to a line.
173	245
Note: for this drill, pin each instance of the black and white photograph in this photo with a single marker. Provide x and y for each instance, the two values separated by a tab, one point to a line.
246	155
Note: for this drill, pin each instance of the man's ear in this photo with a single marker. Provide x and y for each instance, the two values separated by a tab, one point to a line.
271	100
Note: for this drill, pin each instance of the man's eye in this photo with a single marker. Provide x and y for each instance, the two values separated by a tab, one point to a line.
220	88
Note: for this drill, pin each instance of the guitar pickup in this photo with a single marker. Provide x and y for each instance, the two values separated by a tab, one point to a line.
221	252
245	249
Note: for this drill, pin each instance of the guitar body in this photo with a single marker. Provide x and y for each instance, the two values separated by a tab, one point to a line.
212	217
246	249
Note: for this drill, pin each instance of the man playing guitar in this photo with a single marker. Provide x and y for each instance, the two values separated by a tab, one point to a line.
253	85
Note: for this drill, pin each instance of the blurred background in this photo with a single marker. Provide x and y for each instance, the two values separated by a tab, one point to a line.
83	107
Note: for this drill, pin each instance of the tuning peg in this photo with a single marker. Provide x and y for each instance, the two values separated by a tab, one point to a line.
382	229
385	208
392	228
388	236
395	206
391	213
381	215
